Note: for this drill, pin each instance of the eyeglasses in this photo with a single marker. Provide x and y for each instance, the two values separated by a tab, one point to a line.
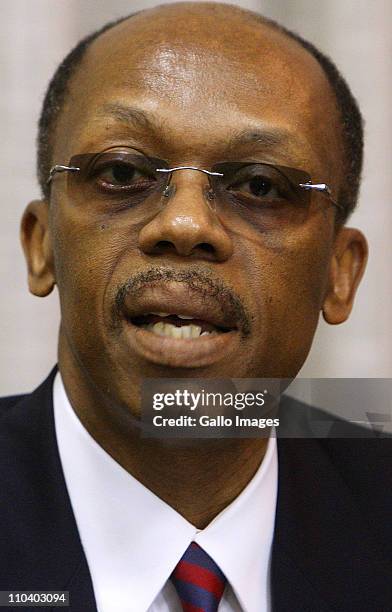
119	178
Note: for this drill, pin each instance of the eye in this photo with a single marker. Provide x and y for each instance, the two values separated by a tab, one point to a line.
121	172
260	184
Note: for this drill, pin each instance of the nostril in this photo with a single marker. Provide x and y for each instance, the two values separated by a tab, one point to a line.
164	246
205	246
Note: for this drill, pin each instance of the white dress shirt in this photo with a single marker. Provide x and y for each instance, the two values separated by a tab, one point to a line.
133	540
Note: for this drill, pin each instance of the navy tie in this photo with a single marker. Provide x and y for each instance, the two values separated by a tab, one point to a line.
198	581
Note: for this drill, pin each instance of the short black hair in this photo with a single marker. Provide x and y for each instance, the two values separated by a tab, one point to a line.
350	115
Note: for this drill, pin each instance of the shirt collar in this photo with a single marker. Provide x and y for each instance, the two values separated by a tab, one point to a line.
133	540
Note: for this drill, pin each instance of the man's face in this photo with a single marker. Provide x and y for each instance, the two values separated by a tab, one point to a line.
200	79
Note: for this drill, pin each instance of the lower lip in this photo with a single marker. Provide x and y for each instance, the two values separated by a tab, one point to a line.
179	352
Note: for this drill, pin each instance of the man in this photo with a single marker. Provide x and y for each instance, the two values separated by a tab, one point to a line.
139	238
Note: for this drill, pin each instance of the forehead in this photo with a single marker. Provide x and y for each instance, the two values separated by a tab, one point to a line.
200	76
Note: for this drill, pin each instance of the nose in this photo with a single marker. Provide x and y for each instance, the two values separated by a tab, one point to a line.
187	225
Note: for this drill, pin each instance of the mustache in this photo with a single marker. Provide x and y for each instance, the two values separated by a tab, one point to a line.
203	283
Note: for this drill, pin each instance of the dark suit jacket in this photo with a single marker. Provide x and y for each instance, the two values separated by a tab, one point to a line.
332	548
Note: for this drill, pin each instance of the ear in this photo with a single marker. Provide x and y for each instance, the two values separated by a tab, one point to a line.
37	247
350	253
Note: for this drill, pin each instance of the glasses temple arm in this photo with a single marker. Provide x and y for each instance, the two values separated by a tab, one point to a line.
60	168
322	188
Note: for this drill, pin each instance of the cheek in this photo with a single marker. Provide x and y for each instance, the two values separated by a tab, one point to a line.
86	254
293	269
286	283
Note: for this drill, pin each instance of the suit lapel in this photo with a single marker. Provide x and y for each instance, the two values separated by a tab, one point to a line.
324	555
81	590
41	540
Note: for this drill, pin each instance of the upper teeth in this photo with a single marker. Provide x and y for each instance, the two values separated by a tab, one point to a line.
172	331
167	314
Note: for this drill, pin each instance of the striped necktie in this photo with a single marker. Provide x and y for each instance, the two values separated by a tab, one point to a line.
198	581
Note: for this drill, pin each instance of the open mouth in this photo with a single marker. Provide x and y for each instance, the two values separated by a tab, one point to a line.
179	326
174	325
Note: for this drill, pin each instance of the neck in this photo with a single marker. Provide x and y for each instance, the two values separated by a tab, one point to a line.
198	481
198	478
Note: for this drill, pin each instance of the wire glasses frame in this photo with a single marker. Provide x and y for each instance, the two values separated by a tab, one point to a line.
224	176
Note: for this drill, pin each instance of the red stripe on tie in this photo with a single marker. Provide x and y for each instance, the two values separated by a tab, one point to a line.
201	577
187	607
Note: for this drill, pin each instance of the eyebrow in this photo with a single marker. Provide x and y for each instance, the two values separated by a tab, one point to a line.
129	114
267	137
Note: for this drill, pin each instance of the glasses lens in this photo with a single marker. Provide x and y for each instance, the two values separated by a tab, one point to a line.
115	176
264	193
